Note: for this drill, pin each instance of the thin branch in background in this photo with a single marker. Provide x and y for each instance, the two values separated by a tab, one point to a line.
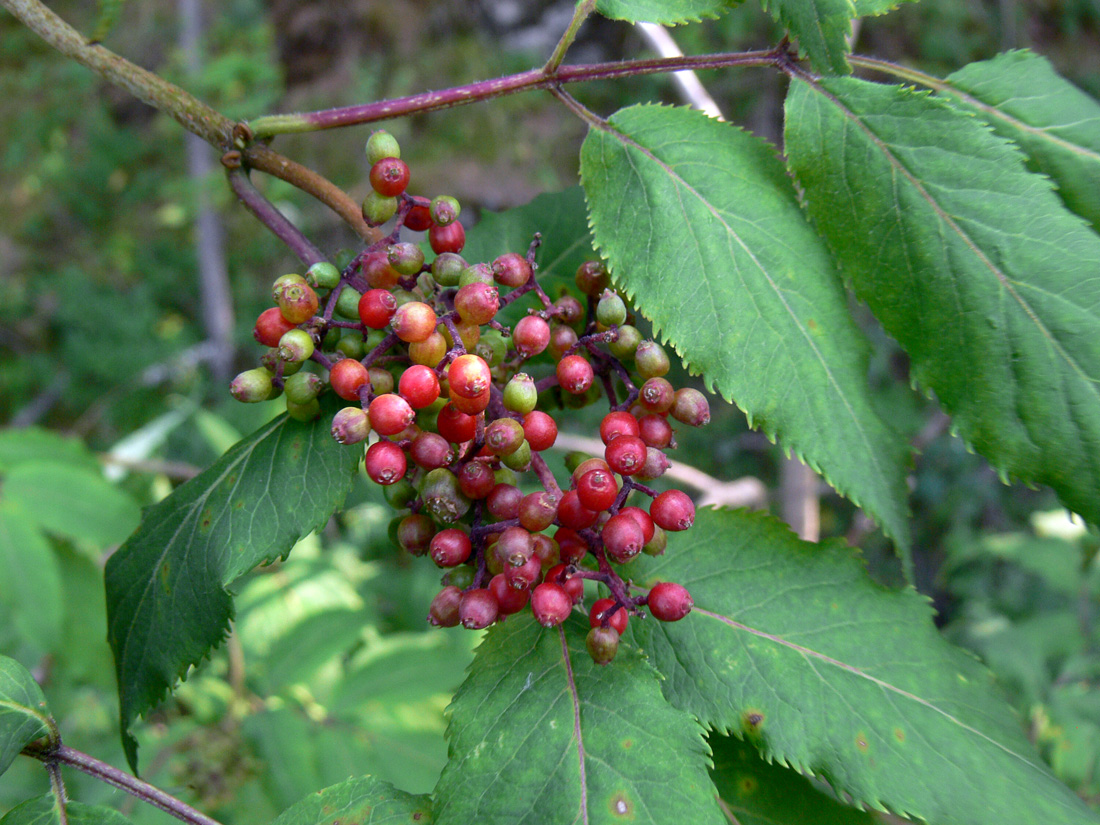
272	218
175	470
216	296
687	82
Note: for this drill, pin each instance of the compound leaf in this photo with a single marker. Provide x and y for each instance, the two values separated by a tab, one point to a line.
23	713
666	12
1021	96
363	800
793	646
541	734
167	602
822	28
972	263
703	230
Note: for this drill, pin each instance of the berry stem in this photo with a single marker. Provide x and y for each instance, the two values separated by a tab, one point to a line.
546	477
272	218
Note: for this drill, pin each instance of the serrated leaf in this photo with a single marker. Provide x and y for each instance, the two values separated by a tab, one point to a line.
972	263
665	12
167	602
1021	96
758	793
30	579
44	810
361	800
72	501
791	644
35	444
822	28
24	716
541	734
702	229
872	8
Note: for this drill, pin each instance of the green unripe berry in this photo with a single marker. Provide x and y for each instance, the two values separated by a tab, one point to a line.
271	362
323	275
403	296
295	346
406	258
602	644
347	305
491	347
381	381
444	210
626	344
252	386
476	274
282	282
377	209
443	499
519	460
447	268
504	475
382	144
400	494
651	360
303	412
520	395
574	459
374	338
331	339
460	577
656	545
504	436
351	345
303	387
611	310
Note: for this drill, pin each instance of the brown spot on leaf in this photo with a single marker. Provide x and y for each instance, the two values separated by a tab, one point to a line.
206	520
627	744
620	806
747	785
861	742
752	720
899	734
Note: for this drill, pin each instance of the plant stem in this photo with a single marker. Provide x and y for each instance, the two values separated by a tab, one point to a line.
57	786
191	113
580	14
509	84
272	218
60	754
894	69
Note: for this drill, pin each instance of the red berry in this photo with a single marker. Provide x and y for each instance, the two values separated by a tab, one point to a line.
573	585
571	546
450	548
270	327
378	272
669	601
561	339
597	489
511	269
385	463
575	374
626	454
347	376
550	604
390	414
471	406
376	308
592	278
537	511
298	303
573	514
655	431
476	479
414	322
419	386
444	609
478	609
622	537
616	619
469	376
430	451
449	238
618	423
531	336
657	395
418	219
509	600
503	501
455	425
389	177
643	519
569	309
672	510
525	576
540	430
477	303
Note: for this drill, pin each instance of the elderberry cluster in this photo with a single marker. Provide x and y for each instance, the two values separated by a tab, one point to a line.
458	404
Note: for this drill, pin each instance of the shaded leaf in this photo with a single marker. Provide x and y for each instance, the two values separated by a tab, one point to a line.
23	713
972	263
34	444
792	645
759	793
72	501
1021	96
30	579
316	640
666	12
44	810
541	734
822	28
363	800
702	229
167	602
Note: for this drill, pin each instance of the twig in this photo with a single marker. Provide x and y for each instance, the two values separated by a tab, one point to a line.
272	218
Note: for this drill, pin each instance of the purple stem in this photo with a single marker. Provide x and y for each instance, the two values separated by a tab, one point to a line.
272	218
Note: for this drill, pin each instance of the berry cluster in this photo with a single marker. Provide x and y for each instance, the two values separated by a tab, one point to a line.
459	404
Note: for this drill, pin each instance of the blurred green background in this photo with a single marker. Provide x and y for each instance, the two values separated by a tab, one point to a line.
110	392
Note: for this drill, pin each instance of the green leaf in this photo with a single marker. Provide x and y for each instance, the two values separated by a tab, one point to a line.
665	12
167	602
822	28
759	793
30	579
1021	96
298	654
971	263
44	810
792	645
361	800
34	444
541	734
73	502
24	716
872	8
703	230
